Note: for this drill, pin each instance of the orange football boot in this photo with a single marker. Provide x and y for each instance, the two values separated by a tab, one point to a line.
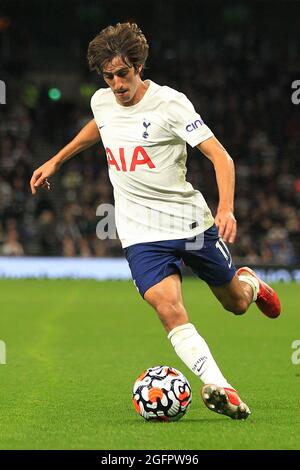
267	299
224	401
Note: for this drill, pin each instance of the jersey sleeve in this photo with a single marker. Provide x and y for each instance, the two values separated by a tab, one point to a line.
95	100
185	122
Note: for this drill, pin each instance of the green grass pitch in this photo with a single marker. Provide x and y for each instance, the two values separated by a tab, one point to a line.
74	349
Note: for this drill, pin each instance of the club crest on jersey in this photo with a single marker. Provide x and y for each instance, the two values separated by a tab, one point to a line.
146	124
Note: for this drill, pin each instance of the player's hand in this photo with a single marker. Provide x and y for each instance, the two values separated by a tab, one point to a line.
226	223
40	175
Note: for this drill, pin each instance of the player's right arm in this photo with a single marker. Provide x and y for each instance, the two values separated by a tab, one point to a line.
88	136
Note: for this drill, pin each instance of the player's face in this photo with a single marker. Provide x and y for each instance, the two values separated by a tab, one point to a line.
124	81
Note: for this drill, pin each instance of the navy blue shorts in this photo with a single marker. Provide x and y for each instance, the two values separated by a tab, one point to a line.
206	254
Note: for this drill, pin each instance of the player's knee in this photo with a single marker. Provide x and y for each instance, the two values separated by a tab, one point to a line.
170	311
238	307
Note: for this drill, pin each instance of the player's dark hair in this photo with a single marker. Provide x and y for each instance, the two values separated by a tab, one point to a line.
124	40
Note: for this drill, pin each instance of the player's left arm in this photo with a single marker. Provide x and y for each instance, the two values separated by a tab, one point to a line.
225	176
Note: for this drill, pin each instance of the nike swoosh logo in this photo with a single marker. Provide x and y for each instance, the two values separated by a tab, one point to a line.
101	126
203	361
199	368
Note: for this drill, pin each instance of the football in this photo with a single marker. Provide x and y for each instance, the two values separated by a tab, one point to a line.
161	393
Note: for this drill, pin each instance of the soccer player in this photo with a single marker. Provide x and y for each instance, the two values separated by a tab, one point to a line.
162	221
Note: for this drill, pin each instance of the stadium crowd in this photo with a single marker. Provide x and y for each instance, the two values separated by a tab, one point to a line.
241	89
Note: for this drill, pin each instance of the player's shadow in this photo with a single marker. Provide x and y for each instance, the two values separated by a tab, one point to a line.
187	421
198	420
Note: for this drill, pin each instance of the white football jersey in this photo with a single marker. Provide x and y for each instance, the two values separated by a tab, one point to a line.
146	153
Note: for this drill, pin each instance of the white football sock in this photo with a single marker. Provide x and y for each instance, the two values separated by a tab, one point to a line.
194	352
252	281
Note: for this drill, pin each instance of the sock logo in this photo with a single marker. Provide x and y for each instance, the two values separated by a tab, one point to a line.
199	364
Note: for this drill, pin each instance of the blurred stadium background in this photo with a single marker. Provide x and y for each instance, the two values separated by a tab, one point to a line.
236	61
74	348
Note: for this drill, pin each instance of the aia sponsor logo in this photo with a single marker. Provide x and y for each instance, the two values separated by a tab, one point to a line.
194	125
139	157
